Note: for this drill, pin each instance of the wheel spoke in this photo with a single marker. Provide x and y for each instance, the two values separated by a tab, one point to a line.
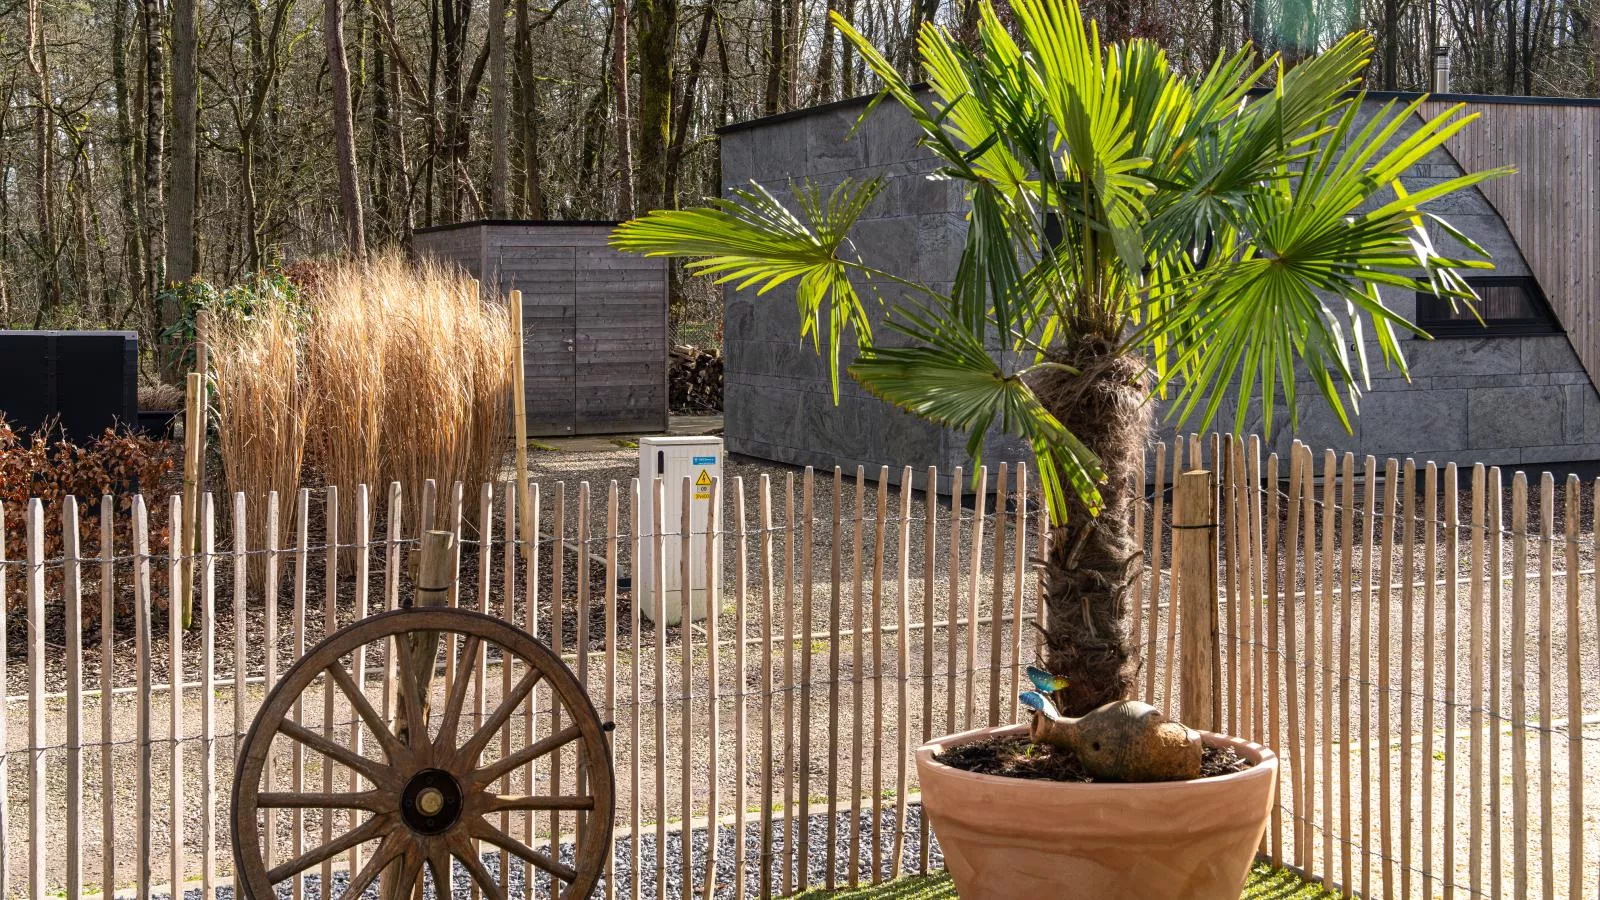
358	699
406	876
410	700
497	803
439	862
463	850
372	801
528	754
508	705
465	669
376	773
352	838
478	827
388	851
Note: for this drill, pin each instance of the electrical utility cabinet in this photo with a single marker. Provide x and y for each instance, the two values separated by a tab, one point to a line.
677	459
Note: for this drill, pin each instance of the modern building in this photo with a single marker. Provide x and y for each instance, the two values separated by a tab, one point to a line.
1518	391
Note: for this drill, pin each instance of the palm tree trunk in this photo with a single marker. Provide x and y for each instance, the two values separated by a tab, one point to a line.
1091	559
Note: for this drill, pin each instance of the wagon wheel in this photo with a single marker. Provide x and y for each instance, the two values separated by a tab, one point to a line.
430	798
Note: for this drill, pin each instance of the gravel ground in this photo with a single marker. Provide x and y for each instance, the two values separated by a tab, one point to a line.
647	852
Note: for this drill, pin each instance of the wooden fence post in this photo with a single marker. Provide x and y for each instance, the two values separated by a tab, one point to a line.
1195	531
432	589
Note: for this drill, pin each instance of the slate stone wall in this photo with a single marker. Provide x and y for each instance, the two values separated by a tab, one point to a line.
1508	401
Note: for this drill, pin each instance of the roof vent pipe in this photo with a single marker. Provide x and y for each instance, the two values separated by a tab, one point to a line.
1441	69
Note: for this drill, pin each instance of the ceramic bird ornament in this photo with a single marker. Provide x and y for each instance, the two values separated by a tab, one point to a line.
1125	740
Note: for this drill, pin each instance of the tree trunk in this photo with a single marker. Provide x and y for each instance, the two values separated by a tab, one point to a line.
499	137
44	192
152	203
184	195
344	129
657	25
1089	565
691	87
619	82
528	104
824	92
772	97
127	151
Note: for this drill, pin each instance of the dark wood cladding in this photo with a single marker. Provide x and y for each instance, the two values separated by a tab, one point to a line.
594	320
1551	205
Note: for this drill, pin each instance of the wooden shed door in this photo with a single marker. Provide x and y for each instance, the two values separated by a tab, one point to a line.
548	282
621	342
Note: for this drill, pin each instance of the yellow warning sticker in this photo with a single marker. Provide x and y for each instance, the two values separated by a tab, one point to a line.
702	485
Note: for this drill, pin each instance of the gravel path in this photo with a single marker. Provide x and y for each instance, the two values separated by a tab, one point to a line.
648	854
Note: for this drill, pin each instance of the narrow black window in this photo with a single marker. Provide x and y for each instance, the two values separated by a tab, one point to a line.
1508	305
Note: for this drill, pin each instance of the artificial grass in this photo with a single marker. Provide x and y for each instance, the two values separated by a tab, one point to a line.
1266	883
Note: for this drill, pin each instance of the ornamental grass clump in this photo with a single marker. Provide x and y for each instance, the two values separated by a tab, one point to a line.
1133	231
381	370
263	400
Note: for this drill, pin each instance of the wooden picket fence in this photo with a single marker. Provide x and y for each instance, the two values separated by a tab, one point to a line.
1354	614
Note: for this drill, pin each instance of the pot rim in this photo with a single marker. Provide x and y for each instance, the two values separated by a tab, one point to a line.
1264	763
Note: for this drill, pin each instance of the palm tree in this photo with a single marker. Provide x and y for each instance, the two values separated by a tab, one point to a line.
1133	231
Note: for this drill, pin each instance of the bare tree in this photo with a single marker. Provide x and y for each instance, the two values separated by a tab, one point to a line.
619	82
344	128
183	196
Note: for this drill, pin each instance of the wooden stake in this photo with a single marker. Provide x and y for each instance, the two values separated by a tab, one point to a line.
108	641
930	534
1574	662
1547	532
142	634
807	622
1195	527
1274	601
903	665
1291	556
952	708
330	624
1330	485
876	631
194	456
789	826
997	604
686	684
178	571
1494	549
1519	683
658	507
1452	627
978	513
740	710
208	693
72	615
1391	485
835	567
1347	503
1156	523
858	649
767	597
1169	698
713	560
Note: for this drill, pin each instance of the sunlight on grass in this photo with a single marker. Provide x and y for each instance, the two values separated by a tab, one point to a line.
1266	883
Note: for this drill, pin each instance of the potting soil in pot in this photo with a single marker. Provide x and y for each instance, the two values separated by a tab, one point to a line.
1017	757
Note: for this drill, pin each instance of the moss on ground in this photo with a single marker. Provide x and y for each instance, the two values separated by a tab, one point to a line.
1266	883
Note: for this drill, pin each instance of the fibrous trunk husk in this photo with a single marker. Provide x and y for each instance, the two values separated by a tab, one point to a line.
1091	559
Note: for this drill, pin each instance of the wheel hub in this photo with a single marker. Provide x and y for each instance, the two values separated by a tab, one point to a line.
431	802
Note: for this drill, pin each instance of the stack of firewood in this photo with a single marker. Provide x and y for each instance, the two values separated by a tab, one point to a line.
694	377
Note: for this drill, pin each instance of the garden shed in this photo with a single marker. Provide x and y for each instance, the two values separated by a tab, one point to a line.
594	320
1517	390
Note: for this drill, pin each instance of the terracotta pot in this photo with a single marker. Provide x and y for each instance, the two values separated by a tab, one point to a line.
1018	839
